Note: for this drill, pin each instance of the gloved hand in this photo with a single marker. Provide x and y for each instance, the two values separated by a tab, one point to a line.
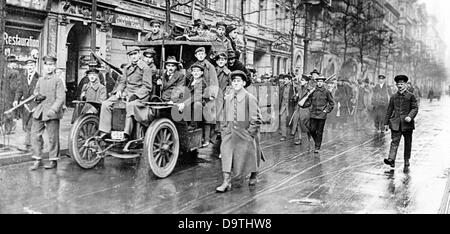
39	98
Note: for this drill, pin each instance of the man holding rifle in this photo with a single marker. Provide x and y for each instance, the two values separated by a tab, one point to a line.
321	102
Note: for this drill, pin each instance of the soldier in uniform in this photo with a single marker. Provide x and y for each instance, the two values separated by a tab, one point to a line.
149	56
24	91
400	115
220	37
50	93
156	33
135	86
239	128
287	105
321	103
380	100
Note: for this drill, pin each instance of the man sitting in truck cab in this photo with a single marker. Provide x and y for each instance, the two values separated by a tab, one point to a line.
135	87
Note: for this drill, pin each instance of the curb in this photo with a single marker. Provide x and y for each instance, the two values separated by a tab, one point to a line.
16	157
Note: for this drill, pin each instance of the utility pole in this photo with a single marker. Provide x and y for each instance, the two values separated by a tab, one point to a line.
94	29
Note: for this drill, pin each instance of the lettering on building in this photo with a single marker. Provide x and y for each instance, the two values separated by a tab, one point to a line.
127	21
15	40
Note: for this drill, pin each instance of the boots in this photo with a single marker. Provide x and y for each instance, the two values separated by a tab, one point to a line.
252	180
36	165
226	185
52	164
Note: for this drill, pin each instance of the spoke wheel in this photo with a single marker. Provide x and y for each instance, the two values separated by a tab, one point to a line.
84	128
161	147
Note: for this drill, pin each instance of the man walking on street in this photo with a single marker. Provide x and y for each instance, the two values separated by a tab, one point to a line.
399	117
50	93
380	101
321	103
24	91
287	105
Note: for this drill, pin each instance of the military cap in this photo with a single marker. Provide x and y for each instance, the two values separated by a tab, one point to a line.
230	29
344	79
381	77
221	55
30	61
154	21
49	59
399	78
11	59
315	71
92	70
198	65
150	51
320	78
172	60
231	54
221	23
132	49
200	49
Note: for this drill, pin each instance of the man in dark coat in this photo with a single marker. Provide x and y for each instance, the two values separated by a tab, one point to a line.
234	65
321	103
399	118
287	104
25	90
343	96
380	99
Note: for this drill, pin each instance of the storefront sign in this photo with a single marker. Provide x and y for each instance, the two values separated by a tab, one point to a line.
127	21
32	4
281	47
23	44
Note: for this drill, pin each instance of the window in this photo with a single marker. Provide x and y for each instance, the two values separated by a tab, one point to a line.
277	16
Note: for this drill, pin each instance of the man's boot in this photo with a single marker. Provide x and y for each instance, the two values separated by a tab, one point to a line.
36	165
252	181
226	185
52	164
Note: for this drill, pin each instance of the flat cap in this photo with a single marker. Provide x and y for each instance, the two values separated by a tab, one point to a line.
231	54
200	49
238	73
30	61
221	55
154	21
399	78
221	24
320	78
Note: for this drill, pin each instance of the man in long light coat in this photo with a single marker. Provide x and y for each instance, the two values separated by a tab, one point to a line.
239	128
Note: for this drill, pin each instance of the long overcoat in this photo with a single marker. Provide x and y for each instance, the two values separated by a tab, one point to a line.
238	148
301	115
401	105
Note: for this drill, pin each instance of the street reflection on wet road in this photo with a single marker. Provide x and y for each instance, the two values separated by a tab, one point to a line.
348	176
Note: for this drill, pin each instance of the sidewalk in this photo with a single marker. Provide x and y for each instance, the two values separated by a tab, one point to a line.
9	144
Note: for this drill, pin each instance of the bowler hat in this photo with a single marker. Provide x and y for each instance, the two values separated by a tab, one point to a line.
150	51
399	78
315	71
132	49
172	60
239	73
49	59
200	49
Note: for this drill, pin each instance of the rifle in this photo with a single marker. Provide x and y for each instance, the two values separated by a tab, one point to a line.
114	68
20	104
